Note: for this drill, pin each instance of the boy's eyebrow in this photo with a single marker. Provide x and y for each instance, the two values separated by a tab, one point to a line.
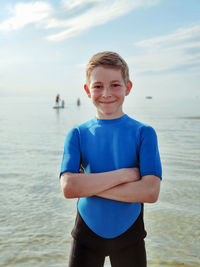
114	81
96	82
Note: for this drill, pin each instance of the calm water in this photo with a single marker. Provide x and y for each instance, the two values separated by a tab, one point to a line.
36	220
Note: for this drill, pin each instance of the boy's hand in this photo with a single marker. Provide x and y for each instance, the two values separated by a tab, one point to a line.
81	170
131	174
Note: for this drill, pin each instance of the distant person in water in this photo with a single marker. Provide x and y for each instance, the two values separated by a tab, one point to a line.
57	99
63	103
78	102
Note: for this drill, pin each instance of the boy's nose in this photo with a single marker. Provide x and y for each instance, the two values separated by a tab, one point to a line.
106	92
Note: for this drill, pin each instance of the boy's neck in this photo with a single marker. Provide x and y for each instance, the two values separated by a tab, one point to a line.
109	116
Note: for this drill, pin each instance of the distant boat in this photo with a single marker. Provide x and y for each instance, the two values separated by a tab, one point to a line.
148	97
58	107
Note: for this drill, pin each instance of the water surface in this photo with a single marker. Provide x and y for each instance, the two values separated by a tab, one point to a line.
36	220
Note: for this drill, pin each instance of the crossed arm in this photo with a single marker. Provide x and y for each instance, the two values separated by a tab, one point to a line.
124	185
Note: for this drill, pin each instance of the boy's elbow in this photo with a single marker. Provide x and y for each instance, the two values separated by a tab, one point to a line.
152	188
67	191
67	185
153	195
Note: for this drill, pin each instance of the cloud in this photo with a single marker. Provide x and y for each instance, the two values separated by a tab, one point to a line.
26	13
71	4
79	15
181	36
101	12
174	52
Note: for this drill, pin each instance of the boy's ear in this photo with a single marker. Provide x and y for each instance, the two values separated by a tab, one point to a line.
128	87
87	90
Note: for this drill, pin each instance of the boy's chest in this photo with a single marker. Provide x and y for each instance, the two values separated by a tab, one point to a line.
110	150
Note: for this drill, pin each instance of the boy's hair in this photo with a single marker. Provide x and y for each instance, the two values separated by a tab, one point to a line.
107	59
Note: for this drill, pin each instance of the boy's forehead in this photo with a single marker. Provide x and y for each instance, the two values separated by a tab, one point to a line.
108	73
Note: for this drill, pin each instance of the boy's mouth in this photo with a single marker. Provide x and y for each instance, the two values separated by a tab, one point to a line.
107	102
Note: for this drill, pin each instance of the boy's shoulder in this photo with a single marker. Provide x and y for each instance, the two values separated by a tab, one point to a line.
142	128
87	124
125	125
124	121
137	124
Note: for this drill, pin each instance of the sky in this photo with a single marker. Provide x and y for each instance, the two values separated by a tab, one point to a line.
45	45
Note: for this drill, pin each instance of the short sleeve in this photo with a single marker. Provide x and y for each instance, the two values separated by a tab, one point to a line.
149	157
71	155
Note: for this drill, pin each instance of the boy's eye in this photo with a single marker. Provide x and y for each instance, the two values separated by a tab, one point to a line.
115	84
98	86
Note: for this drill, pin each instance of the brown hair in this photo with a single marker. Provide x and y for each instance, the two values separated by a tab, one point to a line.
107	59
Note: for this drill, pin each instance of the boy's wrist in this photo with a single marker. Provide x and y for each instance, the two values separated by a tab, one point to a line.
130	175
124	175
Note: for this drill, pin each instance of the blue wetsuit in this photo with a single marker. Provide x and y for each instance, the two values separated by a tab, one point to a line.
106	145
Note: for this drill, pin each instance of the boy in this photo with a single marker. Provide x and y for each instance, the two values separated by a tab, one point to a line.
121	169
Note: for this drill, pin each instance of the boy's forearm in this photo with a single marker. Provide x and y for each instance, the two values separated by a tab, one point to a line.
145	190
76	185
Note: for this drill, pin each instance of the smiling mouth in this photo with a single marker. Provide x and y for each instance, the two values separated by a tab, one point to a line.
107	102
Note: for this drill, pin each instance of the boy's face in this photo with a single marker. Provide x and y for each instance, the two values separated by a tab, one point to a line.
107	90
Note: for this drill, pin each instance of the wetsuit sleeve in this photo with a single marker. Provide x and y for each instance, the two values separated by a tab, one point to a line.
149	157
71	155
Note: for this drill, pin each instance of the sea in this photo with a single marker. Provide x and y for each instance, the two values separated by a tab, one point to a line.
36	220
